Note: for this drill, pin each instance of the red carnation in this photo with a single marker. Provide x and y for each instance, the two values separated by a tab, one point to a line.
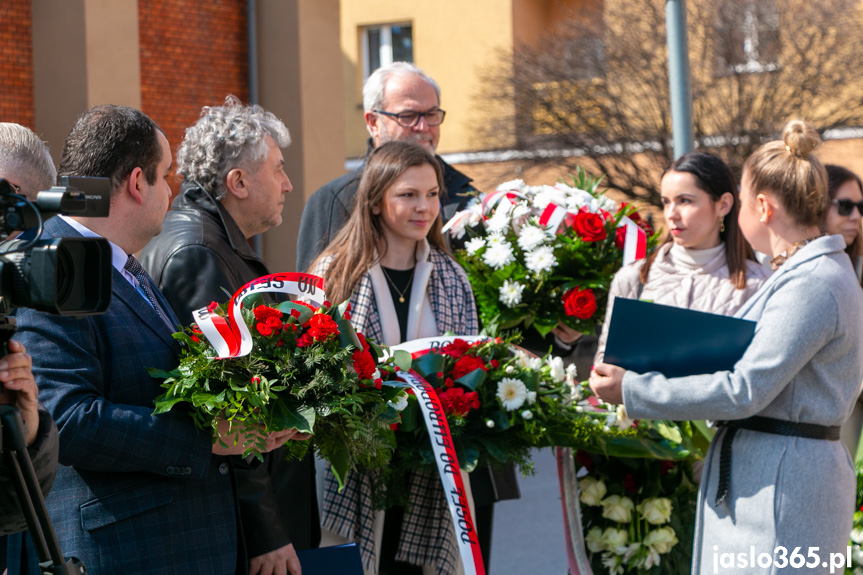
213	306
455	401
264	329
591	227
295	313
305	340
262	313
363	364
580	303
467	364
275	323
456	348
256	380
322	327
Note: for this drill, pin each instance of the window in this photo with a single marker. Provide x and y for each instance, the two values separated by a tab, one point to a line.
384	45
747	39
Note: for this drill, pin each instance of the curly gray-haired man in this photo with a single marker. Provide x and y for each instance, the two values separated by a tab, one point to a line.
234	185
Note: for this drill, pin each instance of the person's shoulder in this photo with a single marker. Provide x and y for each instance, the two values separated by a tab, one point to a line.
628	278
339	188
756	273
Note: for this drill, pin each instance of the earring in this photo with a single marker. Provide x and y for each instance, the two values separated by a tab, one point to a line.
721	224
376	211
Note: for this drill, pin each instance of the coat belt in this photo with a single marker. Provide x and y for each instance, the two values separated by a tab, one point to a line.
764	425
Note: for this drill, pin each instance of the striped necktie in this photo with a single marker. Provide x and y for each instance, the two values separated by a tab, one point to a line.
133	266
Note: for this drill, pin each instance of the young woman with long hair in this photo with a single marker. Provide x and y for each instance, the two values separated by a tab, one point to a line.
391	261
776	475
705	263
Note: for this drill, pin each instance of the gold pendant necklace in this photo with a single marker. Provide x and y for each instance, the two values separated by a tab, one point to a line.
395	287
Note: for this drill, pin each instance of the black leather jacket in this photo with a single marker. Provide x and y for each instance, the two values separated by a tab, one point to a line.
202	256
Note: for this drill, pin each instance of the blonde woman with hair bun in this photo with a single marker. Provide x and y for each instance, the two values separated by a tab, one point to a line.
776	475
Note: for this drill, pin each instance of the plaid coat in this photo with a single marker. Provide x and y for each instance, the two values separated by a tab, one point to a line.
427	536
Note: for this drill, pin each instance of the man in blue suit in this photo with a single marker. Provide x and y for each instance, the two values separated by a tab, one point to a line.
135	492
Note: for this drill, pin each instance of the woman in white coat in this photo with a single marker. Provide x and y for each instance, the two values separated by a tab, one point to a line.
786	489
705	264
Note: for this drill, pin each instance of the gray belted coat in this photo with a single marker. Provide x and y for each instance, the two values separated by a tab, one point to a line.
805	364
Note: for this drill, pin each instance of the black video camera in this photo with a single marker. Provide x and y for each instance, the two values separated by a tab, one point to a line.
63	276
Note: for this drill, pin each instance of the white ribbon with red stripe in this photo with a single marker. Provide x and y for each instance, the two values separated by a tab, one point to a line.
634	241
230	335
449	470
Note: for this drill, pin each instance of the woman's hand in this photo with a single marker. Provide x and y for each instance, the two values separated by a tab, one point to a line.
19	387
606	381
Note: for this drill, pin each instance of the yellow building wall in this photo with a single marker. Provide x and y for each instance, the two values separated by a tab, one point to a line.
453	41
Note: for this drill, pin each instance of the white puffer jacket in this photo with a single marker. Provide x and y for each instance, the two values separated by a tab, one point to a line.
691	279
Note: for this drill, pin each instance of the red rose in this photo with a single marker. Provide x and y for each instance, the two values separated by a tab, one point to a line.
645	225
494	363
256	380
467	364
262	313
591	227
580	303
322	326
456	348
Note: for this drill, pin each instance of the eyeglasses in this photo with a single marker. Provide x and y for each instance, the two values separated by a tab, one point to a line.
411	119
844	207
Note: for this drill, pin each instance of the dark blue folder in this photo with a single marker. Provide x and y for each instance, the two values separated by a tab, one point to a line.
676	342
336	560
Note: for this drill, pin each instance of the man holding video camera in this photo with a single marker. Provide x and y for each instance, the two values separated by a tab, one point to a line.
135	492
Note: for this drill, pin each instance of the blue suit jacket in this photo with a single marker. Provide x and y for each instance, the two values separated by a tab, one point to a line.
135	492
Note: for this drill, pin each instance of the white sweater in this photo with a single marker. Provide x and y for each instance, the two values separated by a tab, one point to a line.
680	277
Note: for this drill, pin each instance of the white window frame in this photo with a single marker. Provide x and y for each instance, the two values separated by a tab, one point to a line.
386	52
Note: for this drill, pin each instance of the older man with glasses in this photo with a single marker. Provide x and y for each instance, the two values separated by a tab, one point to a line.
401	103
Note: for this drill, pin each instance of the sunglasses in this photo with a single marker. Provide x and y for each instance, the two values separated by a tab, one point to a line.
844	207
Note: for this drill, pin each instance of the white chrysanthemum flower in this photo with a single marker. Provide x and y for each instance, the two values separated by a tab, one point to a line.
498	223
541	260
558	372
512	393
531	237
534	363
510	293
527	414
531	397
474	245
498	254
509	369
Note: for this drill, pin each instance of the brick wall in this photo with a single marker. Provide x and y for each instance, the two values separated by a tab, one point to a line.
193	54
16	62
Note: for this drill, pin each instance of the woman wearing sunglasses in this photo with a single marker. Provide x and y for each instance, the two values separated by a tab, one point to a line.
846	211
843	218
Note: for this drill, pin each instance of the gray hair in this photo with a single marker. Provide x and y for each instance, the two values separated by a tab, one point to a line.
227	137
373	90
26	159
